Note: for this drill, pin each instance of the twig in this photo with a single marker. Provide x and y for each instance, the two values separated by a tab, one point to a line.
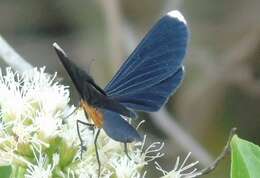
225	151
11	57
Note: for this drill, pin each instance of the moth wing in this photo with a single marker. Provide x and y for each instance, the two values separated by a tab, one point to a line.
153	98
141	82
119	129
87	87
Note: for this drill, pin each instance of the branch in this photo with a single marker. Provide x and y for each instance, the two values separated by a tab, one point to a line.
11	57
222	155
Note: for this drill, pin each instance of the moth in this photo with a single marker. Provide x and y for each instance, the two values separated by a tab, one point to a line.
144	82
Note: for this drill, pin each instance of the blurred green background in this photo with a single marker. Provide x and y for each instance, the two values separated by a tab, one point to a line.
221	87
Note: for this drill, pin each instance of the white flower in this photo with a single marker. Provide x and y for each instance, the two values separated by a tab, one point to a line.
47	124
124	167
11	99
42	88
69	129
179	171
114	161
42	168
31	109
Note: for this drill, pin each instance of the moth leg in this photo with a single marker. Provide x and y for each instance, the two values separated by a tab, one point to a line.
126	151
96	149
82	147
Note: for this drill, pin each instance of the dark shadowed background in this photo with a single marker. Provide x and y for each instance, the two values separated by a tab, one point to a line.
221	87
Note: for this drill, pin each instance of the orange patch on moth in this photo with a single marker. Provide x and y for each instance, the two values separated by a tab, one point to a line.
95	115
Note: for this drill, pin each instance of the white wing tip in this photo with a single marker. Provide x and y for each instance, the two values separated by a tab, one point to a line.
55	45
177	14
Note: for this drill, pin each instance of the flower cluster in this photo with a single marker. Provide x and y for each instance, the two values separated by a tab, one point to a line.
38	141
180	171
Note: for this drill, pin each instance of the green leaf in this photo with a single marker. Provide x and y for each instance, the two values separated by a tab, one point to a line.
5	171
245	159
